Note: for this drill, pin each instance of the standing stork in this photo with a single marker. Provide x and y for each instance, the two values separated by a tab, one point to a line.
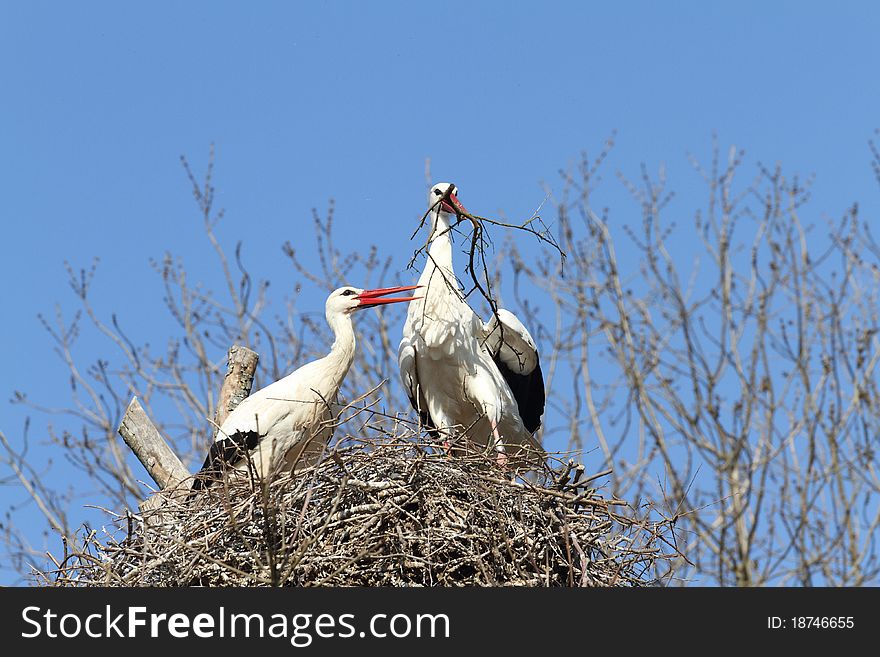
482	379
287	424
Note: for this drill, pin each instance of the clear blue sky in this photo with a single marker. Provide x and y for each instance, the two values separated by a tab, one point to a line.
307	101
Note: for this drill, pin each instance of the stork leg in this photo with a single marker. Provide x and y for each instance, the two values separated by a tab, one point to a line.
500	455
445	432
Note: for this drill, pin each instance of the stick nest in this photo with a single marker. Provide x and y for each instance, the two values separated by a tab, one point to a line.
394	514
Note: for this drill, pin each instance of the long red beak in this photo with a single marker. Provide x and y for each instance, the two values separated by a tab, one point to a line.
452	204
370	298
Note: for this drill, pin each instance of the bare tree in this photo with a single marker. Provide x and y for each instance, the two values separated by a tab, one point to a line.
736	383
733	386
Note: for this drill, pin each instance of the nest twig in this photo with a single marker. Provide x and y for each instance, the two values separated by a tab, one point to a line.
395	514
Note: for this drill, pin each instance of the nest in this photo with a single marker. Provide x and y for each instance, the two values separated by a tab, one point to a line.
394	514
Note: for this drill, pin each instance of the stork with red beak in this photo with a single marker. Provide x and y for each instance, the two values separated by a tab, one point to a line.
463	376
287	424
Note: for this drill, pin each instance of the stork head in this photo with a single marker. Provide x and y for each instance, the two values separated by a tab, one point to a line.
443	197
345	300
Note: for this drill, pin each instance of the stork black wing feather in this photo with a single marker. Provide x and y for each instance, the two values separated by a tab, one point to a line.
428	423
223	454
528	391
425	418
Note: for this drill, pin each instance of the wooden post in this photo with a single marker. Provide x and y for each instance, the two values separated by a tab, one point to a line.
150	447
160	461
241	364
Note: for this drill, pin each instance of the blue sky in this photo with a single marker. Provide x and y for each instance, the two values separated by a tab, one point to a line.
308	101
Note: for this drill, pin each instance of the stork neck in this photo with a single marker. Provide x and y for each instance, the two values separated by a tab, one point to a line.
338	361
441	241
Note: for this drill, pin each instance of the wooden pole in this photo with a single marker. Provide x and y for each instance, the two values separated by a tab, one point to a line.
160	461
241	364
150	447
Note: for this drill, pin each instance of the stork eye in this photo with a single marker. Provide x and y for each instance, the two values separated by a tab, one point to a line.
347	293
438	192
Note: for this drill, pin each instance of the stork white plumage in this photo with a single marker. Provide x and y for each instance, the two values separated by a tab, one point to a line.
463	375
287	424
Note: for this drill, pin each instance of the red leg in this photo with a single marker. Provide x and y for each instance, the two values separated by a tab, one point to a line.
500	456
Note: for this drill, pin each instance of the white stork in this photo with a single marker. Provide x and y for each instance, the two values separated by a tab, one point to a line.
287	424
482	379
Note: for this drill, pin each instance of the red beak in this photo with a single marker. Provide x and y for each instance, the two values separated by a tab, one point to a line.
370	298
452	204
